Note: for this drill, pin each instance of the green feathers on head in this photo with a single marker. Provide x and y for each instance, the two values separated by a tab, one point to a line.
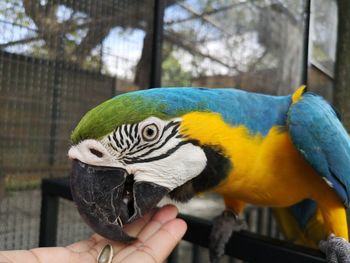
123	109
133	107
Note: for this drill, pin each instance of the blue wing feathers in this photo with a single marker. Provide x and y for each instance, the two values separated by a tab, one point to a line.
318	134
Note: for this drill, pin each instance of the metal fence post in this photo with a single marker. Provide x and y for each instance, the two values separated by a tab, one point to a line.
307	11
196	254
157	43
173	257
48	219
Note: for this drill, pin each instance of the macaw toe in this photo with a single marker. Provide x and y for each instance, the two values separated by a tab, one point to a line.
223	227
337	249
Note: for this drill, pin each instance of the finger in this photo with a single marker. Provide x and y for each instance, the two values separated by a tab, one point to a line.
159	246
94	243
135	227
164	215
85	245
97	241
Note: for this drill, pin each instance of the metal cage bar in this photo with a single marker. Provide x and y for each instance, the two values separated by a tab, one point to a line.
157	43
307	14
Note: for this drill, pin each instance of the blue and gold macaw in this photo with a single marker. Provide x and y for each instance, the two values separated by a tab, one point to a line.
287	152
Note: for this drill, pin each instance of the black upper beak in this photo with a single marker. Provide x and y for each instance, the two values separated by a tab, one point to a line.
107	198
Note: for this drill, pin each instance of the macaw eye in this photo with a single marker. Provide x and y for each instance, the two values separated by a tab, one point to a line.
150	132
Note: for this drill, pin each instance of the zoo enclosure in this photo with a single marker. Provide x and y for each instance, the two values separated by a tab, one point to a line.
60	58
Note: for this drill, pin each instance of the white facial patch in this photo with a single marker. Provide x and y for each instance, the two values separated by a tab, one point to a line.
183	165
152	150
94	153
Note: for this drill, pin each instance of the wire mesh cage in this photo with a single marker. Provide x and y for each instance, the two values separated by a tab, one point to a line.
254	45
59	58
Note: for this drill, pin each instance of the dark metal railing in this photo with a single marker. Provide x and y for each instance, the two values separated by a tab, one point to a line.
242	245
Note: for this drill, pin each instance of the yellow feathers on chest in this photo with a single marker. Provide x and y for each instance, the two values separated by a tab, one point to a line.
265	170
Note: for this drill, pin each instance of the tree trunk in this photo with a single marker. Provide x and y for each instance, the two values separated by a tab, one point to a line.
342	67
142	74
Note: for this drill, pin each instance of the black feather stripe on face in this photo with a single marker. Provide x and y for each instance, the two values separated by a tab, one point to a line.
137	142
150	145
116	141
163	142
217	169
129	146
135	130
156	158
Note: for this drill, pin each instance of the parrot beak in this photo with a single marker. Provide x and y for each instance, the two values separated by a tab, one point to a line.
107	198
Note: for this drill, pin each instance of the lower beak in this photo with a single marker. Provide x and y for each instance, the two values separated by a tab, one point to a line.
107	198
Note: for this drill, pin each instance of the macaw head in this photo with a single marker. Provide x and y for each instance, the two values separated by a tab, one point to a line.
132	150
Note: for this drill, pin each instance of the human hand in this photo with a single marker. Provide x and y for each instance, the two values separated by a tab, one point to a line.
157	235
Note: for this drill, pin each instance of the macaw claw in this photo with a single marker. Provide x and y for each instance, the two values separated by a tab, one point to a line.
223	227
337	249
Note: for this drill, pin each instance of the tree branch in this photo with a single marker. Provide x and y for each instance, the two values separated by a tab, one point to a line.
18	42
175	38
94	37
206	18
195	16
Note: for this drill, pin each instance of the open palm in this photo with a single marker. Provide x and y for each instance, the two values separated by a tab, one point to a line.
157	234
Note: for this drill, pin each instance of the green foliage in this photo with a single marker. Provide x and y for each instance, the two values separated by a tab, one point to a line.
173	74
22	184
93	62
13	12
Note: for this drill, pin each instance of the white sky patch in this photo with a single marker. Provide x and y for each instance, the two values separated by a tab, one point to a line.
234	55
63	13
123	50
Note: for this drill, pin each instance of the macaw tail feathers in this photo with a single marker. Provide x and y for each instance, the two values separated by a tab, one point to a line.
308	234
